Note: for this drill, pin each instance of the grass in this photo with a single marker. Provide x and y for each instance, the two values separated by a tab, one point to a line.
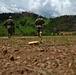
58	49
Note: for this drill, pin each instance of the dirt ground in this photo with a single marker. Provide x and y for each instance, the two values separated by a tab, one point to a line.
52	56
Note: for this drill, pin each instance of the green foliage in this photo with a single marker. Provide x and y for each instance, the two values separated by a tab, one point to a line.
25	24
3	31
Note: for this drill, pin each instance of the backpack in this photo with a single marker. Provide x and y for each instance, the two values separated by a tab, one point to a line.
9	23
39	21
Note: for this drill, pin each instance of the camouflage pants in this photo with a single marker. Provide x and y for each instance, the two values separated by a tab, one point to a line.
39	30
10	32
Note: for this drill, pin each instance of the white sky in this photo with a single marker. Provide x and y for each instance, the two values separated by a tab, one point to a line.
48	8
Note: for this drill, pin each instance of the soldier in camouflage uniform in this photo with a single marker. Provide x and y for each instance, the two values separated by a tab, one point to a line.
39	21
10	26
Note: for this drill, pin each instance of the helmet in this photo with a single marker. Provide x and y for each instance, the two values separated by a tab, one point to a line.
10	17
39	16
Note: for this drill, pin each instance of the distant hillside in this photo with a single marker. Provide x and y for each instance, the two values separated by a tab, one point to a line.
66	23
25	24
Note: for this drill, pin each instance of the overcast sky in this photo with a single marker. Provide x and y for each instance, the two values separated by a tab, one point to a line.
48	8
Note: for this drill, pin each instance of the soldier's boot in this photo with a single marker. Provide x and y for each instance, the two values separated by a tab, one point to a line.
40	33
9	35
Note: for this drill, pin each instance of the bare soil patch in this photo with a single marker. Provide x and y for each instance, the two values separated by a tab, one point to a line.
54	55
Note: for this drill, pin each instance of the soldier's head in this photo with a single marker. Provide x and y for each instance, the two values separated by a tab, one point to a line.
39	16
10	17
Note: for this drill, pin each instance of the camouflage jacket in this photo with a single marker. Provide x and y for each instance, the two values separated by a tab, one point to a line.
9	23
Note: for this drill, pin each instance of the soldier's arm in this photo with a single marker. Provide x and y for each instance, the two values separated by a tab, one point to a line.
13	22
43	21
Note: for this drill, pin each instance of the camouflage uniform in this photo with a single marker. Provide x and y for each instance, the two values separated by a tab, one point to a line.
39	23
10	26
